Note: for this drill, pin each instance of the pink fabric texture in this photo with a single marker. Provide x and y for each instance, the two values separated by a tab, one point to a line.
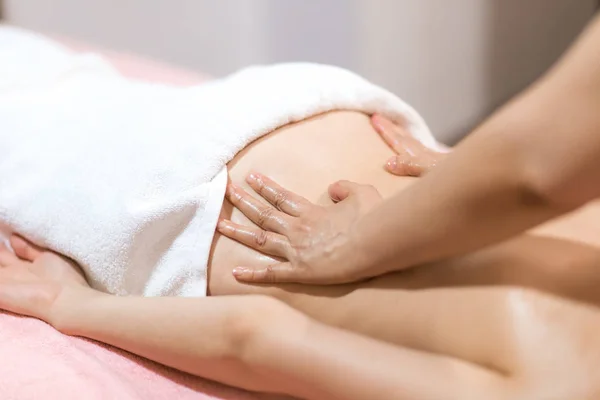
40	363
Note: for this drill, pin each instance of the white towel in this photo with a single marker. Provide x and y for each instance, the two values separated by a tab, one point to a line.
127	178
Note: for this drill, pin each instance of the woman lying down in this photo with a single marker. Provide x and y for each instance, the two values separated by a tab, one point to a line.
120	185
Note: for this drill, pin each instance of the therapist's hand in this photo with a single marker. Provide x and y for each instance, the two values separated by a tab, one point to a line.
412	157
314	241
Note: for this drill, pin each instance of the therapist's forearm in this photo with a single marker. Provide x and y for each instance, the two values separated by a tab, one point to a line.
477	196
537	158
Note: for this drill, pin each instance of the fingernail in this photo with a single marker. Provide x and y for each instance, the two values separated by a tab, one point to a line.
239	271
221	225
253	177
391	164
233	192
377	124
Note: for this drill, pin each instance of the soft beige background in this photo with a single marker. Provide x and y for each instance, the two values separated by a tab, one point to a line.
455	60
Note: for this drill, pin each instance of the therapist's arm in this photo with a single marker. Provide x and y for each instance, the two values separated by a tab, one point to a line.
537	158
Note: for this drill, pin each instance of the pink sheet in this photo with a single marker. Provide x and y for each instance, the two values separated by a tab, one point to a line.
37	362
40	363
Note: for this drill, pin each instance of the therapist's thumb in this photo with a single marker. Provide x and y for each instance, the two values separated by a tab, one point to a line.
342	190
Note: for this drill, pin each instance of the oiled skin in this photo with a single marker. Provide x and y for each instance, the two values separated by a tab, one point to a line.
421	308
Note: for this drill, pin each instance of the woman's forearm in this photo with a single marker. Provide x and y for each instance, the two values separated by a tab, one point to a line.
259	344
535	159
251	342
201	336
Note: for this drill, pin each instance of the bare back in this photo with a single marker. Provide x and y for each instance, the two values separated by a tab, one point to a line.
306	157
405	308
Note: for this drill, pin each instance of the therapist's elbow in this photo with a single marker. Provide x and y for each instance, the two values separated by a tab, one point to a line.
554	186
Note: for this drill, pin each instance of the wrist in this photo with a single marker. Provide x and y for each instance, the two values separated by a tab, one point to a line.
368	260
70	307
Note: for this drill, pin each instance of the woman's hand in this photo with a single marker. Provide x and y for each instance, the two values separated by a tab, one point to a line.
314	240
38	283
413	158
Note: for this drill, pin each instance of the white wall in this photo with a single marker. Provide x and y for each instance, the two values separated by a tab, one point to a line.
457	60
454	60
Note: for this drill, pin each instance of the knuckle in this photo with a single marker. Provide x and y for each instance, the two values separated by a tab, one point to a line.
303	227
270	274
281	198
292	254
261	187
264	216
261	239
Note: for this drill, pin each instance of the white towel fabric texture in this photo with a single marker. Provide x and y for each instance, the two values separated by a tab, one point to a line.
127	178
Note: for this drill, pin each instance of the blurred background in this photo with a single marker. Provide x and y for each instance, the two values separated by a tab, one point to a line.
455	61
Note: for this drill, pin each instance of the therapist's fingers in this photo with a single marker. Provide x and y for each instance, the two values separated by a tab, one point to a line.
404	165
413	158
276	273
284	200
263	215
395	136
342	190
266	242
387	130
408	165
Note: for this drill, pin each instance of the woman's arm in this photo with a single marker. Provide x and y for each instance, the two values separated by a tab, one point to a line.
205	337
259	344
252	342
